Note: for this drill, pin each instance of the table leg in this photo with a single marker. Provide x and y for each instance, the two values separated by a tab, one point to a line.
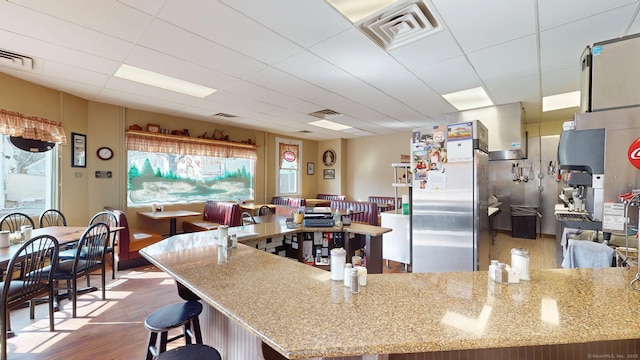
172	226
373	250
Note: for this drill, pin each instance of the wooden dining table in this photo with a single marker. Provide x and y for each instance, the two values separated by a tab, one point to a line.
64	235
171	215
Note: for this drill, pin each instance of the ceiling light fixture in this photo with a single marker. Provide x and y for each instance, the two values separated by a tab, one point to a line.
329	125
561	101
162	81
469	99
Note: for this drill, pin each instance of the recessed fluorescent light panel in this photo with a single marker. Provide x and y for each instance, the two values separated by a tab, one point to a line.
469	99
162	81
561	101
329	125
356	10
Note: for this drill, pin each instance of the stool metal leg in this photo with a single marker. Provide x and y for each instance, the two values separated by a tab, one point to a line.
197	331
163	341
153	338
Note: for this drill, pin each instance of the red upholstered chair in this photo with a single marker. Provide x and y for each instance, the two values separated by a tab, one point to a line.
216	213
130	240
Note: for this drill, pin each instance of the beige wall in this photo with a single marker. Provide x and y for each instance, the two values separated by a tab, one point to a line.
363	166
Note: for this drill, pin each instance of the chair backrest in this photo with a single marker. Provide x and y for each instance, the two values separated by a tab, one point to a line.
247	219
91	248
264	210
288	201
24	276
222	212
331	197
366	212
14	221
52	217
107	217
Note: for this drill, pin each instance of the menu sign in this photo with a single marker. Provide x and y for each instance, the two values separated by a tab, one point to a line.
613	216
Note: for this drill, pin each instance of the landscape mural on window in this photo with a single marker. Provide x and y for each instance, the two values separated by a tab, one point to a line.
171	179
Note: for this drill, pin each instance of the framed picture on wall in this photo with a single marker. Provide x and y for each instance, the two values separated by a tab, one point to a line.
78	150
329	174
310	168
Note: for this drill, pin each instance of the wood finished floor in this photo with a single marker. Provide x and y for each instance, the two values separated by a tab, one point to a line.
114	329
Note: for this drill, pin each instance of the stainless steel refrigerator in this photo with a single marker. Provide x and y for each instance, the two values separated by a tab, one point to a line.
450	222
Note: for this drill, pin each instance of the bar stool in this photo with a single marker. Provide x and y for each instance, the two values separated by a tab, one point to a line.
170	317
191	352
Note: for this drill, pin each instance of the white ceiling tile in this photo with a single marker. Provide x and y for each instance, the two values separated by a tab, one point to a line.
282	82
310	67
260	93
554	13
513	59
480	24
561	47
354	53
561	81
167	65
507	91
132	88
225	26
449	76
63	72
167	38
146	6
129	25
56	31
115	96
303	22
429	50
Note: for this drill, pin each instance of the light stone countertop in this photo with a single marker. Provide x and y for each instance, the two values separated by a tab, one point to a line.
297	310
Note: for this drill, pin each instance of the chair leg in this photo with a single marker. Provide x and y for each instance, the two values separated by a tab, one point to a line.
163	341
4	314
32	309
186	331
113	264
51	298
74	295
104	270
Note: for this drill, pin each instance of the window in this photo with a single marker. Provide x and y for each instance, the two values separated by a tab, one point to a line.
173	179
174	170
288	158
27	179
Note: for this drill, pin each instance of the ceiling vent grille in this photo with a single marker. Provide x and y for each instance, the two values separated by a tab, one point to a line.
401	25
15	61
223	115
325	114
305	132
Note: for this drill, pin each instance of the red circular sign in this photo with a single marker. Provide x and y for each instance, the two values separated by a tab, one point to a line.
634	153
289	156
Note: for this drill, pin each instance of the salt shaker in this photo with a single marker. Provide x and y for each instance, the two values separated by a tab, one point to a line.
355	284
347	274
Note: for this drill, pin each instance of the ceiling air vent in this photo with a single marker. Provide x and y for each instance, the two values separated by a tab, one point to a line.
305	132
15	61
401	25
325	114
223	115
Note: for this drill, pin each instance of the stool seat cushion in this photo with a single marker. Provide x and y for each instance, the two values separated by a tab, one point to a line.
191	352
172	316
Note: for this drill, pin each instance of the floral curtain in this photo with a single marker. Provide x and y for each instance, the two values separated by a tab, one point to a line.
31	127
183	145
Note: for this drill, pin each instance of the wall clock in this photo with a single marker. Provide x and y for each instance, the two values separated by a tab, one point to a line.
105	153
329	158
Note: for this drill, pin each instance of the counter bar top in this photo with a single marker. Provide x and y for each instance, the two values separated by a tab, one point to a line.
297	310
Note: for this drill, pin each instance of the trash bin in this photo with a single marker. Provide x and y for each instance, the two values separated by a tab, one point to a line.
523	221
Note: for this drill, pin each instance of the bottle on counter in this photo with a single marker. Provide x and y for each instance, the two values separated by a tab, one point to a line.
492	269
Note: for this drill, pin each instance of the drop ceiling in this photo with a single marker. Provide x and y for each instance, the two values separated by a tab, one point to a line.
274	62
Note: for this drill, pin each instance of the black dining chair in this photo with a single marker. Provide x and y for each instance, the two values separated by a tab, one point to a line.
14	221
106	217
89	258
264	210
247	218
52	217
27	279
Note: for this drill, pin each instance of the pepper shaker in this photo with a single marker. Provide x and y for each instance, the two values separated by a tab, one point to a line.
355	284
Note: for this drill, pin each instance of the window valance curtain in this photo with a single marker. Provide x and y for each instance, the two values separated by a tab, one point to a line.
31	127
182	145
